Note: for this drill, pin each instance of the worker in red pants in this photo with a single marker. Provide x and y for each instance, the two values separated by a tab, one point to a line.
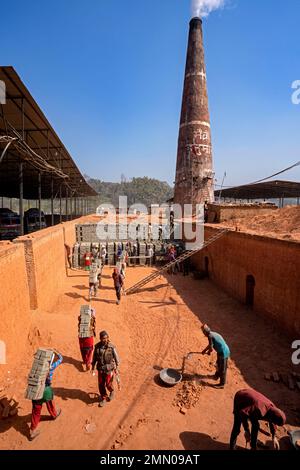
37	406
47	398
87	344
107	361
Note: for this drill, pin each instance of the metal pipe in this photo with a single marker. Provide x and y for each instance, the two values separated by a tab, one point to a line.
6	148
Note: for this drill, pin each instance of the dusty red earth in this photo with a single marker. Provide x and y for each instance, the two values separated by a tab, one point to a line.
281	223
153	329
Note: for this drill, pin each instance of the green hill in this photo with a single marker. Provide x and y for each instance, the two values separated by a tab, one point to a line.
144	190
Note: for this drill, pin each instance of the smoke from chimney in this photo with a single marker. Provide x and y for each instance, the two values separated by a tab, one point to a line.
203	8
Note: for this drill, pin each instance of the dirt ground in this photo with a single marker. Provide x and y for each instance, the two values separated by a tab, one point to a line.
153	329
281	223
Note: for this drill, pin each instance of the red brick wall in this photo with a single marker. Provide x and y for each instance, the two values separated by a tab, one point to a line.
46	262
32	274
275	265
14	301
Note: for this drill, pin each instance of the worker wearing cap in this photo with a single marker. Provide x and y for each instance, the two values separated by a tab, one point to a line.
106	360
217	343
250	405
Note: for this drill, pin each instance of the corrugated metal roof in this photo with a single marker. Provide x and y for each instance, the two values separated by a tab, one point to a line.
267	190
21	118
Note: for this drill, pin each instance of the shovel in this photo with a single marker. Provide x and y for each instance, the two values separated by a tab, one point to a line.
174	376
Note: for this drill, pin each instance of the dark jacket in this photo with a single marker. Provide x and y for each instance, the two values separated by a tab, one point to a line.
118	280
105	357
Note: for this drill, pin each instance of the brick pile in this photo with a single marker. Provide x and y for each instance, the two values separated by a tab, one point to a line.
38	374
85	329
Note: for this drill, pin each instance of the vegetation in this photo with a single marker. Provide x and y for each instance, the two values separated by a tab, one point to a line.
144	190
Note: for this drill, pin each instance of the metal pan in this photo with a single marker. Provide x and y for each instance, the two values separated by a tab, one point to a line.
170	376
294	437
174	376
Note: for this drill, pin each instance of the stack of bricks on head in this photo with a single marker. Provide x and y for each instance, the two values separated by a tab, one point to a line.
38	374
85	330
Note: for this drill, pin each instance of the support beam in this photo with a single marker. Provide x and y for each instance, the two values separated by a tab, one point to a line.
40	199
21	188
67	208
52	203
60	208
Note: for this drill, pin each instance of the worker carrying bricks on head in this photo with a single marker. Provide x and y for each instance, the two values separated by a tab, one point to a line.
118	283
217	343
55	359
103	253
250	405
86	334
107	361
94	280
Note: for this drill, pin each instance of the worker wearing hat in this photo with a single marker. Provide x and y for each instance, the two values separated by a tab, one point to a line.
217	343
106	360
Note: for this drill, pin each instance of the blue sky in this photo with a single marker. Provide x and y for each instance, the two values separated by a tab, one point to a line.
109	74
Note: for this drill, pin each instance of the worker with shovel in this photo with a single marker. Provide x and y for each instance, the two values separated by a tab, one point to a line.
217	342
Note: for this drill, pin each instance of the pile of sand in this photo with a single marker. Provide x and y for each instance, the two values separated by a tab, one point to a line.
281	223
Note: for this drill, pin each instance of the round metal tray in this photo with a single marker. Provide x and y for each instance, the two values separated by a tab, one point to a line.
294	437
170	376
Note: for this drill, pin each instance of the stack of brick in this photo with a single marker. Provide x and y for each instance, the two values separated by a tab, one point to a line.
38	374
110	253
85	328
142	253
86	233
75	260
290	380
8	407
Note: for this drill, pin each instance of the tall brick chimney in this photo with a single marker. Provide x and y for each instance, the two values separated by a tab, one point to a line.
194	170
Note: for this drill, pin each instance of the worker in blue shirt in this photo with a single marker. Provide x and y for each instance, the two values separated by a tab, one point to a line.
217	343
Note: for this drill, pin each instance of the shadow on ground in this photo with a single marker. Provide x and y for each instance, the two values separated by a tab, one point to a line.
199	441
74	362
75	394
257	344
